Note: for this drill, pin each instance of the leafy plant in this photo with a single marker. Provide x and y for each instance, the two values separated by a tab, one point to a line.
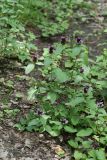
15	42
71	99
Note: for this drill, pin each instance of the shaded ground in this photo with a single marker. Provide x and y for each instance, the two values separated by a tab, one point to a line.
27	146
13	86
15	145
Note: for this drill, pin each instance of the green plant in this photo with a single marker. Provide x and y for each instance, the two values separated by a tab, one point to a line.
15	42
10	112
71	99
50	17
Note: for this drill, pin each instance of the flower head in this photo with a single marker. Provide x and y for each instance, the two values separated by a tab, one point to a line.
86	88
81	70
100	102
39	112
64	120
78	40
63	40
51	49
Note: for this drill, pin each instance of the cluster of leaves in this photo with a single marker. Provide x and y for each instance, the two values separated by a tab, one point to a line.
14	41
51	17
48	16
70	97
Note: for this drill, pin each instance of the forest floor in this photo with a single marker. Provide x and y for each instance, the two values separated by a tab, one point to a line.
15	145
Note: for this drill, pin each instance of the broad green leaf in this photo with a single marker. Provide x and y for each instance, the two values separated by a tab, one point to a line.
84	57
100	154
30	128
68	64
40	63
29	68
47	61
78	79
19	127
75	52
73	143
52	97
60	75
77	101
31	93
75	120
53	133
34	122
55	122
70	129
86	144
103	84
105	30
78	155
45	52
84	132
44	119
59	49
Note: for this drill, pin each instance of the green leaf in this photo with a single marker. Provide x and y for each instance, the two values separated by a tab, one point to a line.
60	75
75	52
19	127
84	56
53	133
31	93
78	155
70	129
68	64
30	128
55	122
105	30
52	97
47	61
84	132
44	119
59	49
45	52
75	120
34	122
100	154
29	68
77	101
86	144
40	63
78	79
73	143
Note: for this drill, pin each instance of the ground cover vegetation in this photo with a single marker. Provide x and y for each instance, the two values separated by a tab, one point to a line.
69	93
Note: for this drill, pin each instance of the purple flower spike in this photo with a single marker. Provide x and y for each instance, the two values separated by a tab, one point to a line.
51	49
63	40
86	88
79	40
64	120
100	103
39	112
81	70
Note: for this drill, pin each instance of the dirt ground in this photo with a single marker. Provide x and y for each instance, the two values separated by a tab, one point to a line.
15	145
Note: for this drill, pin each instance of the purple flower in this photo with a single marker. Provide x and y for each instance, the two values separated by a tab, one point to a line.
100	103
81	70
95	145
64	120
51	49
34	57
63	40
39	112
79	40
86	88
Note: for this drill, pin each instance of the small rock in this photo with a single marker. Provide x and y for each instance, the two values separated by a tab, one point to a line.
41	135
28	143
